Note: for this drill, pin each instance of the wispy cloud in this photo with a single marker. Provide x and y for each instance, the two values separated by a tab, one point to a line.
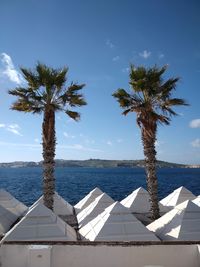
79	147
161	55
195	123
116	58
36	140
109	143
125	69
119	140
20	145
145	54
196	142
9	70
109	44
68	135
14	128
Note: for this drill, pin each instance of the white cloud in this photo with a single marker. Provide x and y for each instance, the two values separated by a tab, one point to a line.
195	123
126	69
110	44
109	143
79	147
2	125
145	54
36	140
196	142
119	140
116	58
19	145
9	69
14	128
68	135
161	55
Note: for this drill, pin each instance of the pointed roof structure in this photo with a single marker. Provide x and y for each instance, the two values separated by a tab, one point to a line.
88	199
40	223
94	209
61	206
181	223
178	196
116	223
7	218
12	204
138	202
197	201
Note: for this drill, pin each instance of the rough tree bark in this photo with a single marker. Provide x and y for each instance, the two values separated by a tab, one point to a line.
148	141
49	144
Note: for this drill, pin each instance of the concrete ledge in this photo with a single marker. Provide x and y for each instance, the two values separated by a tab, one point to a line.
102	243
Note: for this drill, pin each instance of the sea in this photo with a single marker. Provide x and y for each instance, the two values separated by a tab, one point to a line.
74	183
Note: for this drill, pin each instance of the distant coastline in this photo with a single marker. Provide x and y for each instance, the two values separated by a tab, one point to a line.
96	163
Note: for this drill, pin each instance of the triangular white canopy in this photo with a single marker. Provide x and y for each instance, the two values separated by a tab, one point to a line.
40	223
94	209
7	218
88	199
61	206
178	196
138	201
181	223
12	204
116	223
197	200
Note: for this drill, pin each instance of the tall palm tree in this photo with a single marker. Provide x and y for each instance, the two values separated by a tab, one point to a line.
151	100
45	92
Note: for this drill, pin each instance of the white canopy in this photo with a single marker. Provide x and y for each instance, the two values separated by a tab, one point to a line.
116	223
7	218
197	200
61	206
12	204
138	201
40	223
94	209
178	196
181	223
88	199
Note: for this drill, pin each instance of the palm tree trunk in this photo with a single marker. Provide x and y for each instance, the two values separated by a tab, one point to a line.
150	167
49	143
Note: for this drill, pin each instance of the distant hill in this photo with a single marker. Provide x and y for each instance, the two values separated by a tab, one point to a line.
96	163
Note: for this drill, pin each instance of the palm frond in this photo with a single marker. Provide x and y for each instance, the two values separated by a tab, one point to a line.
73	114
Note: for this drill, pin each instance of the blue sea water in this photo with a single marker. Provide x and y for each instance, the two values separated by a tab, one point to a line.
74	183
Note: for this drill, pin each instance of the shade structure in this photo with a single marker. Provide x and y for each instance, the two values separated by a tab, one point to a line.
181	223
178	196
138	202
60	205
116	223
197	201
94	209
12	204
7	218
88	199
40	223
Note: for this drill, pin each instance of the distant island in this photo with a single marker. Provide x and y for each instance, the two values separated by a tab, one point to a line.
96	163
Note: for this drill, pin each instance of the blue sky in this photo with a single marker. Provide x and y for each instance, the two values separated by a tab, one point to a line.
98	40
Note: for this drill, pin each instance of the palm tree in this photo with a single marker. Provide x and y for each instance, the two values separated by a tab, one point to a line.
151	100
46	93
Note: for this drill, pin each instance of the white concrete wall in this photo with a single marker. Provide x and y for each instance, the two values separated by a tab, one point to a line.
102	255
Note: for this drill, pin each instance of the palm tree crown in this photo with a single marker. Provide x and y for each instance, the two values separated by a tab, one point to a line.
45	88
151	97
